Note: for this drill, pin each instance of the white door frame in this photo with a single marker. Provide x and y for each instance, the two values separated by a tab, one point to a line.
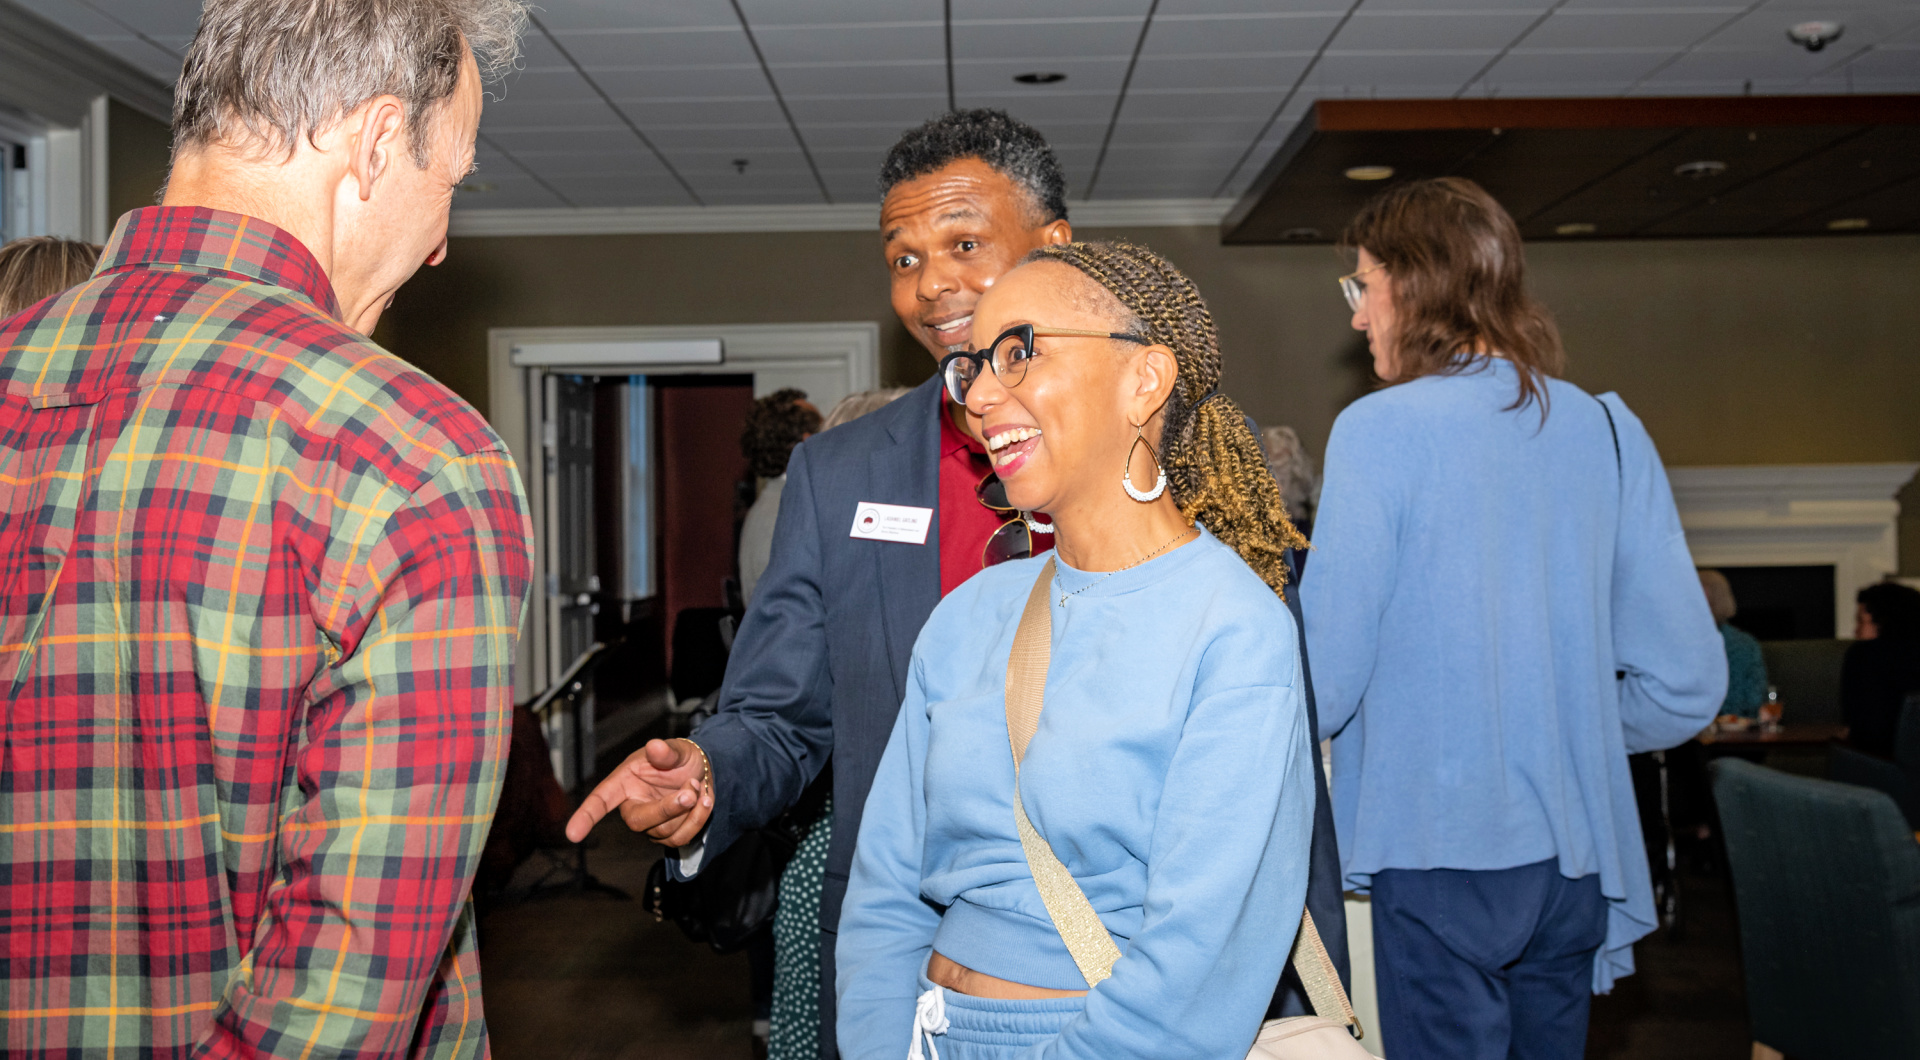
829	361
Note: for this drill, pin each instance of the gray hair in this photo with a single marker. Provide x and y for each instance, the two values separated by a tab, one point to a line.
854	406
1293	469
277	70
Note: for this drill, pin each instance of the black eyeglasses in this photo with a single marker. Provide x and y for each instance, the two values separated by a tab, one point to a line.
1012	539
1008	356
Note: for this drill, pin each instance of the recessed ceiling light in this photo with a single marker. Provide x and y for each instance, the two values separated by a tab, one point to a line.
1041	77
1814	36
1300	235
1847	224
1369	172
1575	228
1702	168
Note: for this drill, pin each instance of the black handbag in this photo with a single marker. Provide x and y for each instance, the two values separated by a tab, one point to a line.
733	897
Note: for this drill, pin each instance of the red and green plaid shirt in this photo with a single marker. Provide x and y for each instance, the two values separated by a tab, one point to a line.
260	583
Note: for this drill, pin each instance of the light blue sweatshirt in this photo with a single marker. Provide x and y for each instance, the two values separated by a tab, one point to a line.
1169	773
1478	577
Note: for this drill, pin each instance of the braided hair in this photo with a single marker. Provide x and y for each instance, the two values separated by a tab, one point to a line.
1214	464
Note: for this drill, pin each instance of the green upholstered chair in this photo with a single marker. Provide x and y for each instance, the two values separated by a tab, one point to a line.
1826	878
1848	766
1807	673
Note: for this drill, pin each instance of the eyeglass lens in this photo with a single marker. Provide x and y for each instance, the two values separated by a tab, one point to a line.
1355	290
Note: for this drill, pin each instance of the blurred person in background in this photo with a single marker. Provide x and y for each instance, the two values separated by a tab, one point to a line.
1746	666
795	1031
854	406
265	589
1493	545
776	423
39	267
1882	665
1293	469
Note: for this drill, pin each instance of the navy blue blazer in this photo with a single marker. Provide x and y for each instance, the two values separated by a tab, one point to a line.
819	667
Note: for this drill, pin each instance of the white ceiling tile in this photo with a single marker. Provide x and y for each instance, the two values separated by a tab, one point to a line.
1894	65
1534	6
900	111
1240	34
625	14
1208	134
743	138
172	18
1768	27
1426	30
150	60
1249	72
816	12
540	148
924	77
996	76
822	139
972	9
76	18
518	111
1740	64
496	187
1336	8
1040	41
686	82
1237	103
547	86
838	44
1357	71
1047	112
702	47
652	114
1619	67
794	196
1676	28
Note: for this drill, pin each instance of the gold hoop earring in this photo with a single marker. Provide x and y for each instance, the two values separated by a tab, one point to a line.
1126	479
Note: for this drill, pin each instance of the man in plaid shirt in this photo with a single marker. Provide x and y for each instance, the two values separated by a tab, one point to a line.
260	580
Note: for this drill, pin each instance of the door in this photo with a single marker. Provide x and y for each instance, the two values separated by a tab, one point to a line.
567	437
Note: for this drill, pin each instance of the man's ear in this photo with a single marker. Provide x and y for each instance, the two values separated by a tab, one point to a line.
376	139
1056	233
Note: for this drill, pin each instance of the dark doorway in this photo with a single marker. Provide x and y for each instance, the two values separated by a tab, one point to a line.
1783	603
698	442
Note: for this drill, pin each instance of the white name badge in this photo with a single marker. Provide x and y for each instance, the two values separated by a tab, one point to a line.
873	521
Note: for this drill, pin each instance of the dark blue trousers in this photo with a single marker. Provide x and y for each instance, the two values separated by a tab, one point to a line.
1485	964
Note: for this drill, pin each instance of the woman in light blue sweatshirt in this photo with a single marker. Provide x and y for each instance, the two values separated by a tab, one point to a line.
1170	771
1500	608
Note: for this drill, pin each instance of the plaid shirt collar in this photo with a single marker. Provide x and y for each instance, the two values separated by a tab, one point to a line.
198	238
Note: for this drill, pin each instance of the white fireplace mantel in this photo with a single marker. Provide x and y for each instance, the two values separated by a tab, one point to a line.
1796	515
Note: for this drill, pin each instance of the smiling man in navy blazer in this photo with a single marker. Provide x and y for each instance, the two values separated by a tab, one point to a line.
819	667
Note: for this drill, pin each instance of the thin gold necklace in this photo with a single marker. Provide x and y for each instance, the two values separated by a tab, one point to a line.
1184	531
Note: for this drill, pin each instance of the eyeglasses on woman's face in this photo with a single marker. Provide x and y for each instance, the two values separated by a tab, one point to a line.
1009	356
1355	288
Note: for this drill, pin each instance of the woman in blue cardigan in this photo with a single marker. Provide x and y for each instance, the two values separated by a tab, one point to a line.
1169	772
1500	607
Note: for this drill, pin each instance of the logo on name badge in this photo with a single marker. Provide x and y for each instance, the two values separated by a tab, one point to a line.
873	521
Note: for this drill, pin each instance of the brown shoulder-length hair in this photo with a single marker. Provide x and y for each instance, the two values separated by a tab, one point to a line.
1459	283
38	267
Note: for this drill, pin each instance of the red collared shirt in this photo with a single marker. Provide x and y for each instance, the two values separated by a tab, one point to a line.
965	523
260	583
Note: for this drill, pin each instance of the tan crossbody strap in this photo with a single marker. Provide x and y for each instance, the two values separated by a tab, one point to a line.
1073	916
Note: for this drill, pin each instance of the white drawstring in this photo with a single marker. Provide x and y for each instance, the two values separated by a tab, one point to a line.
929	1019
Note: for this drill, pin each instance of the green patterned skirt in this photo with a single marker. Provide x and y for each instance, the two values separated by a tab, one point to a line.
795	1034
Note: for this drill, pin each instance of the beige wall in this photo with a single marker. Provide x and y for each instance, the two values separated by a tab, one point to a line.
1733	351
138	150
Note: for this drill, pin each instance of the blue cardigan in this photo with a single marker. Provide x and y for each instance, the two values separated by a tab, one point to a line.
1478	579
1170	773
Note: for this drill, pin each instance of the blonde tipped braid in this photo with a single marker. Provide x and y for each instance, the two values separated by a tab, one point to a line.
1214	464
